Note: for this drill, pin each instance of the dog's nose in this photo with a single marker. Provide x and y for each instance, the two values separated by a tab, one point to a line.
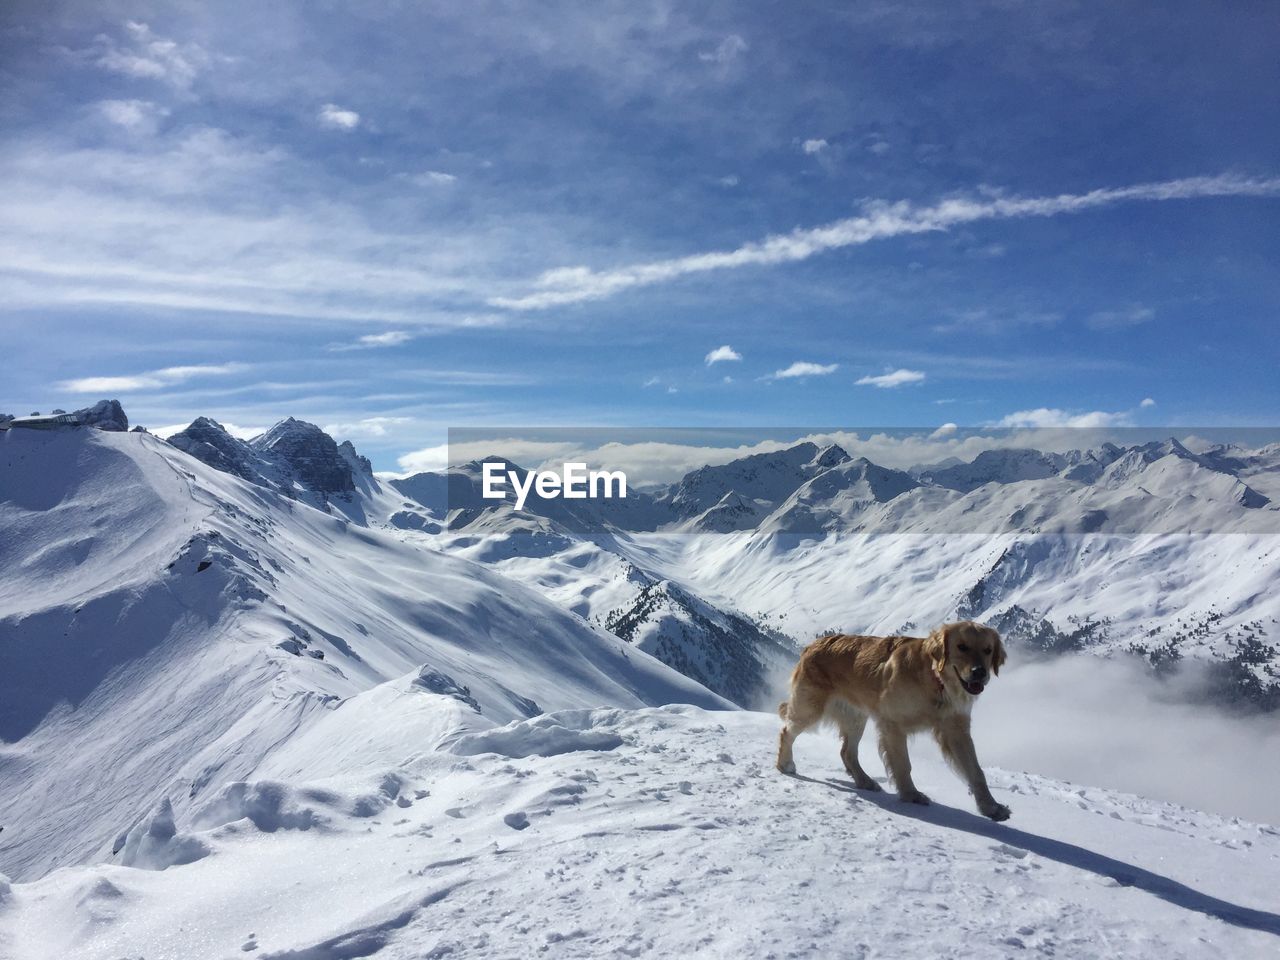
978	674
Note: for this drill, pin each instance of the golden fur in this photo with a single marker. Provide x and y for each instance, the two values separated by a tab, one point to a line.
907	684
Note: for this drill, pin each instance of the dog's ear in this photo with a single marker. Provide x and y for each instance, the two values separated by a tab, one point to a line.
997	651
936	647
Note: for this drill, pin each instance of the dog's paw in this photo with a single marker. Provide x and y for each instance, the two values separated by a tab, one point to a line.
914	796
789	768
866	783
997	812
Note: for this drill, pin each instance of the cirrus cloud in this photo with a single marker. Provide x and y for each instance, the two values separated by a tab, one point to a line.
373	341
891	379
153	379
803	368
145	55
879	221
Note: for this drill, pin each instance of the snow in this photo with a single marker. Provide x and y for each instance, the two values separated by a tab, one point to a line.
661	832
166	627
248	708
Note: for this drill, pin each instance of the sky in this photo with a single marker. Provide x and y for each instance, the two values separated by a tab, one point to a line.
393	219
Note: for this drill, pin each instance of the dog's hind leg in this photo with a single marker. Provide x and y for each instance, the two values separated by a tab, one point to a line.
803	710
852	722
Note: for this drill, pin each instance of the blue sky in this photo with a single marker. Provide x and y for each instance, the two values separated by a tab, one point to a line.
393	219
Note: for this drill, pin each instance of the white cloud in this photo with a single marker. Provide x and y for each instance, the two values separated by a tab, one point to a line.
1130	316
431	178
68	206
471	378
1053	417
729	181
880	221
728	379
151	380
373	341
803	368
946	430
815	146
722	353
389	339
335	117
894	378
673	389
532	454
140	116
879	147
427	460
727	50
145	55
367	428
1147	402
652	382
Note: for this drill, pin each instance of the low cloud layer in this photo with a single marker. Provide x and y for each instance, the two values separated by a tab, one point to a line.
1110	723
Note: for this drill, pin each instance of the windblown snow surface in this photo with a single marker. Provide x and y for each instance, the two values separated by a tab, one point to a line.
242	718
652	832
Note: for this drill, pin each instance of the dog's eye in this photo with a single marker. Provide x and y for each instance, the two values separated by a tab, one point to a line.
987	651
963	648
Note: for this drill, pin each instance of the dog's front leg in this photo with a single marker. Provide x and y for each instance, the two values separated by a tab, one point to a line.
954	737
893	751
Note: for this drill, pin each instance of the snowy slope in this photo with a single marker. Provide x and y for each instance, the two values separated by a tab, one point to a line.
659	832
166	627
714	644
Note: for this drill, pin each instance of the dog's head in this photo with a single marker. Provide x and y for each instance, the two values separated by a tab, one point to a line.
967	654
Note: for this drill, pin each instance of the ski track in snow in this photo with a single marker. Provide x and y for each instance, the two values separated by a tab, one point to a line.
667	832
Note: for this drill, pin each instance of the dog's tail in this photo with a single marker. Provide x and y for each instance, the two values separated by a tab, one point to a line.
782	709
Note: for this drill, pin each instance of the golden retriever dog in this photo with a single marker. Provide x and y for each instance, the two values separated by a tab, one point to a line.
907	684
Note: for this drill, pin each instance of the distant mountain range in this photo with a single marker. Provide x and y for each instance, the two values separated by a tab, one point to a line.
1147	548
1157	487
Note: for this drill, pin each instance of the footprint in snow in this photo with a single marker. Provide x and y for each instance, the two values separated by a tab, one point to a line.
516	821
1004	849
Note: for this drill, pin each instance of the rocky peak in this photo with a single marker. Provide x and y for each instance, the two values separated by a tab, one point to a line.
357	462
310	453
105	415
210	443
830	456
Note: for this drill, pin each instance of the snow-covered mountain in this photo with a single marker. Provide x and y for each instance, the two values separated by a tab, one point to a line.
256	701
166	626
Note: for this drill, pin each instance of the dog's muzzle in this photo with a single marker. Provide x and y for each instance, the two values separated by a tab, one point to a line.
976	683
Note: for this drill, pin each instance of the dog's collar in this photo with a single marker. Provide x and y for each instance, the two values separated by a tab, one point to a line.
937	681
